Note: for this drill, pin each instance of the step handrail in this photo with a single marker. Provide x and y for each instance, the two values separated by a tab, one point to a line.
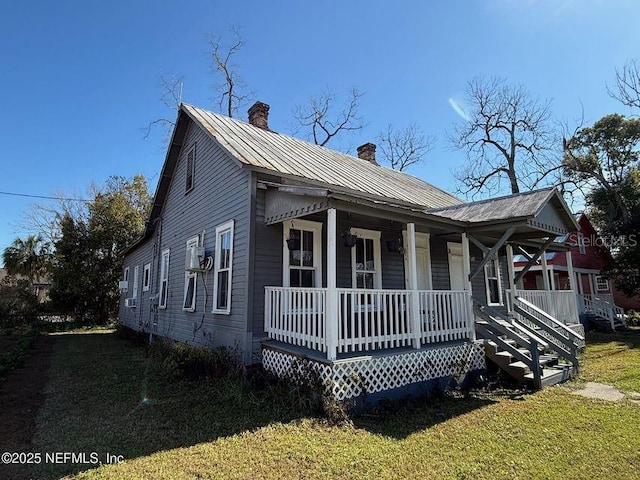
492	312
548	317
490	316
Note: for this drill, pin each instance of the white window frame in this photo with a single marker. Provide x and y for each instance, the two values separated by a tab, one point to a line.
164	279
136	277
376	236
146	277
125	277
607	287
221	230
316	229
496	262
188	276
190	171
581	246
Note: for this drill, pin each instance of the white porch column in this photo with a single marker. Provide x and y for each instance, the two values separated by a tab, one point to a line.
331	315
416	327
570	273
511	273
545	271
466	267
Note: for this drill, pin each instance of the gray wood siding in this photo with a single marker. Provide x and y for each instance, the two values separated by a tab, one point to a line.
221	193
440	267
267	268
139	318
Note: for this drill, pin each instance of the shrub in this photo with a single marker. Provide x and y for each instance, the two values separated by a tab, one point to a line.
18	303
194	363
633	318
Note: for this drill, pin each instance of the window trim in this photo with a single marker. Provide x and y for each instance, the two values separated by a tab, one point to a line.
497	278
581	246
376	236
606	282
190	172
164	277
188	275
136	277
221	230
146	277
125	277
309	226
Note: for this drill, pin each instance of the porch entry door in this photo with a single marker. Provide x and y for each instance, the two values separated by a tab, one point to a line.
456	266
423	261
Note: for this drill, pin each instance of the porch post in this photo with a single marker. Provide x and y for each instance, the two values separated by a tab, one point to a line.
580	285
413	286
331	315
545	271
570	273
466	266
512	276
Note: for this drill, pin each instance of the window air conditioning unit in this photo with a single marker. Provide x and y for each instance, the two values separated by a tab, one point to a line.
194	255
130	302
123	284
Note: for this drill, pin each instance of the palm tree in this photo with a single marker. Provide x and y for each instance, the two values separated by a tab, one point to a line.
27	257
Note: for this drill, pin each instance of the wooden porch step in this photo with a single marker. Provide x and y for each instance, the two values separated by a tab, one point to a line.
552	375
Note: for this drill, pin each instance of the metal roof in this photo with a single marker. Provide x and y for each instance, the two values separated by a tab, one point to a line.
281	154
519	205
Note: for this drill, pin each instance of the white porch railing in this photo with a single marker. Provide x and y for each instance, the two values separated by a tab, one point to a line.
560	304
373	319
296	316
367	319
445	315
602	305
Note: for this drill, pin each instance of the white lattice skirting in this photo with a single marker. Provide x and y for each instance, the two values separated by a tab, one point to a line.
352	377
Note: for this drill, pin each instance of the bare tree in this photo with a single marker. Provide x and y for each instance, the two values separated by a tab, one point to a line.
321	118
405	147
507	134
627	86
171	97
232	84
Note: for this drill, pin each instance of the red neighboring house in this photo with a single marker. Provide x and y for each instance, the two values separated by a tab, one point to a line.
589	257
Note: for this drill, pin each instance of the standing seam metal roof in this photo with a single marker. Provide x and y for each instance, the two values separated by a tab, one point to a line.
290	156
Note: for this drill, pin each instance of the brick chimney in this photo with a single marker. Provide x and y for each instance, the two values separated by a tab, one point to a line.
259	115
368	152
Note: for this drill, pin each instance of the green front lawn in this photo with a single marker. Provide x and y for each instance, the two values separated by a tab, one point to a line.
614	359
105	395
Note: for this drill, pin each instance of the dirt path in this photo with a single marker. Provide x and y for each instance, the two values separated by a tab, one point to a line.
21	396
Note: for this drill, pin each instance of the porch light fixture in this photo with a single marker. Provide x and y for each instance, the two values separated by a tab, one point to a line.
349	240
293	243
395	246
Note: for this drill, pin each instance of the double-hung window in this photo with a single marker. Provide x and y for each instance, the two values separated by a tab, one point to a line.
492	282
366	267
223	268
164	279
125	277
602	284
146	277
136	277
302	254
190	279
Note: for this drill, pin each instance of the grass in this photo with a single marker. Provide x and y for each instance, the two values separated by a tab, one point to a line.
614	360
105	395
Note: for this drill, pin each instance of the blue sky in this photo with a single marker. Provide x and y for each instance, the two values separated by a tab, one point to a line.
80	80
